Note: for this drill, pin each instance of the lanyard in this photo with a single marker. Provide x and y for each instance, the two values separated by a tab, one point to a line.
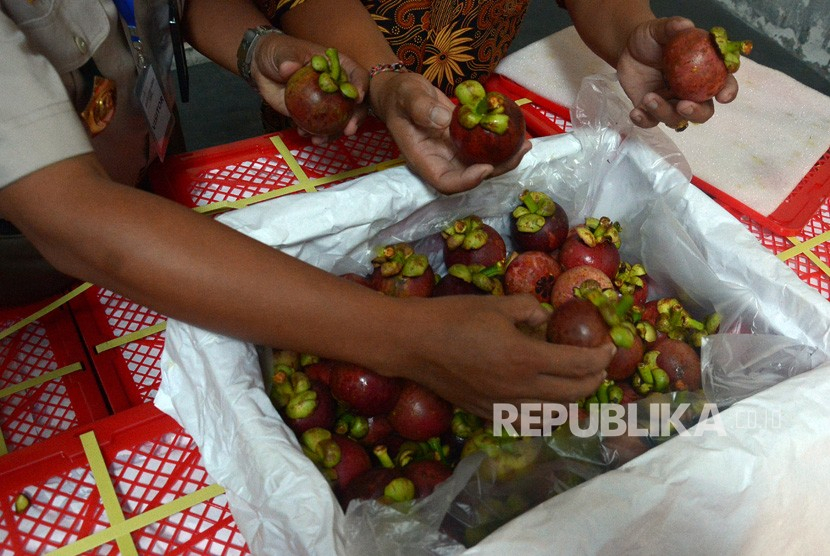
126	9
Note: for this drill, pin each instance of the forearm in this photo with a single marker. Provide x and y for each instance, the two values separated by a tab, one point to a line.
606	25
187	266
215	27
343	24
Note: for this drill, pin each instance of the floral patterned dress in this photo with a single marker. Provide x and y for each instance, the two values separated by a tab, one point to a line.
447	41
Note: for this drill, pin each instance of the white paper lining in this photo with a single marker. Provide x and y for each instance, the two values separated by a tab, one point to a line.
212	384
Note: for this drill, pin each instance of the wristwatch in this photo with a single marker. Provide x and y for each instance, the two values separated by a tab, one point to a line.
245	52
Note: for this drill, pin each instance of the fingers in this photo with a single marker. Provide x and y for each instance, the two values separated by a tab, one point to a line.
449	178
675	114
541	388
729	91
579	362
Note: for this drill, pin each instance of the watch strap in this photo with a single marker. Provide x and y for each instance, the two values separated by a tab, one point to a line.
245	52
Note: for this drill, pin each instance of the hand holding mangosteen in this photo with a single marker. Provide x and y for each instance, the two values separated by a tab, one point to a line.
319	96
486	127
292	74
697	62
671	73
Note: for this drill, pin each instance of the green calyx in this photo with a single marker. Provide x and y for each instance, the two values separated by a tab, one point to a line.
649	377
399	489
484	278
317	443
301	405
355	426
292	389
431	449
615	311
599	230
677	323
464	424
608	392
332	78
730	51
400	259
536	207
466	233
629	277
481	108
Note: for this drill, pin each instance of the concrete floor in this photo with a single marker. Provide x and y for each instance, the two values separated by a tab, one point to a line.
223	109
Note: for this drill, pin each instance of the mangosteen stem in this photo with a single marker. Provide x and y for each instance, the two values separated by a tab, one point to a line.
334	63
382	453
730	51
439	451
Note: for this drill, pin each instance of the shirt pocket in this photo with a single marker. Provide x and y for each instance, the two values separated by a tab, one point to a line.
67	32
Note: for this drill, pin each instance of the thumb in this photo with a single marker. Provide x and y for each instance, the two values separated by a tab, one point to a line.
279	56
526	309
430	110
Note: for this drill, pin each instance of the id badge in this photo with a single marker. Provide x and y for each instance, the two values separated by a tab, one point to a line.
157	112
150	37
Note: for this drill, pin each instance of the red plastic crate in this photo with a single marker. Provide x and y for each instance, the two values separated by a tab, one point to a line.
251	167
33	409
165	502
798	231
129	373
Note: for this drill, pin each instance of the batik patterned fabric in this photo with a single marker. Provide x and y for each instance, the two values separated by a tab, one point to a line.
447	41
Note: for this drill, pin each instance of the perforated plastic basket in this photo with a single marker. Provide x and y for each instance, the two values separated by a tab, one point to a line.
47	384
124	340
128	484
283	163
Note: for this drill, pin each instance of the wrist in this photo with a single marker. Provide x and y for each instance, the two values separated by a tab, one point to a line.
247	48
381	92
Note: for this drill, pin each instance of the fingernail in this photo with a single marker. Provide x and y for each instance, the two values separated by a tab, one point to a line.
652	104
440	116
686	110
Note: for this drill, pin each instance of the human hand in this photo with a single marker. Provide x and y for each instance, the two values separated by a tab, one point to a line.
418	116
469	350
275	60
640	73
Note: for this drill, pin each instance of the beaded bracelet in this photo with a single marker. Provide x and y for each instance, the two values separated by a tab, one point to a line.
397	67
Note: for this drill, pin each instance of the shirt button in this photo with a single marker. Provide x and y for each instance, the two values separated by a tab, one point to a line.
81	44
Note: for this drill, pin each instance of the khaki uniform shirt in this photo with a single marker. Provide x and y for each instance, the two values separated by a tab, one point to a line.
43	44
